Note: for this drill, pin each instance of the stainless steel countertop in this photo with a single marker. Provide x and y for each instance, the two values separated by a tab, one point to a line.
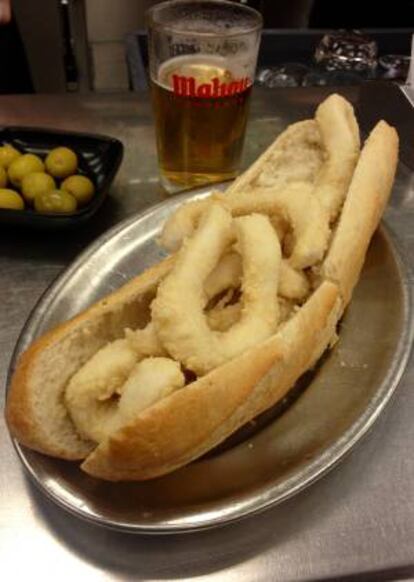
357	521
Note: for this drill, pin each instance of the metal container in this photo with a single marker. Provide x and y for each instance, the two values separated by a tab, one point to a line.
280	453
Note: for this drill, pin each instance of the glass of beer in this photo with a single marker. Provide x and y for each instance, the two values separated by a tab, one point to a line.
202	57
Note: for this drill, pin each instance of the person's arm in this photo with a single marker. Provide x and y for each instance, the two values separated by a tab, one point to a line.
5	11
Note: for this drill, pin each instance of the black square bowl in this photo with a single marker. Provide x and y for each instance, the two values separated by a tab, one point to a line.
99	159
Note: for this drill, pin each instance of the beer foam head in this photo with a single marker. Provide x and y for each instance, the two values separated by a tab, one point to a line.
202	17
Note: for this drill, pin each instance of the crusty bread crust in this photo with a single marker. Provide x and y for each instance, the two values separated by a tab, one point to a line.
366	200
194	419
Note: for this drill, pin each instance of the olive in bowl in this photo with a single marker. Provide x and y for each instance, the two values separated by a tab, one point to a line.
10	200
55	202
23	166
8	154
61	162
35	184
80	187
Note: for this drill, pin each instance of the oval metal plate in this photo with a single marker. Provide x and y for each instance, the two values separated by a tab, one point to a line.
278	454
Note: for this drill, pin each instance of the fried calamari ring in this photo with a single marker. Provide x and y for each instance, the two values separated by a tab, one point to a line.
300	209
340	134
91	404
295	204
105	375
177	311
228	272
183	222
145	342
293	284
222	317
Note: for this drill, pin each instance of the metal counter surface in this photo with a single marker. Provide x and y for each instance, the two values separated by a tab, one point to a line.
356	522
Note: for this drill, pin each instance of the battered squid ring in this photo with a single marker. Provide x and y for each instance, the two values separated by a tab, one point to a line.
183	222
340	134
91	405
295	204
228	272
182	325
91	390
145	342
222	317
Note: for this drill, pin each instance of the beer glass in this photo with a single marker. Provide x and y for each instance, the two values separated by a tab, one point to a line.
202	57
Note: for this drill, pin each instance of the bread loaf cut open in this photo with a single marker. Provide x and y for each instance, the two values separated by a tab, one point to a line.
318	157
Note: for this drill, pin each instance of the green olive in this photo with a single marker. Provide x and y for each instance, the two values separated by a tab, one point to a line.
61	162
80	187
3	177
8	154
56	202
10	199
35	184
25	164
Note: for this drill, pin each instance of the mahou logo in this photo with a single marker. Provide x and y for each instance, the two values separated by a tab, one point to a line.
188	87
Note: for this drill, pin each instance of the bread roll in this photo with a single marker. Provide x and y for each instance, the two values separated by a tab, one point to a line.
352	189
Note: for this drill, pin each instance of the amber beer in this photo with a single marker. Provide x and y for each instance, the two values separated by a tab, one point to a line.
201	108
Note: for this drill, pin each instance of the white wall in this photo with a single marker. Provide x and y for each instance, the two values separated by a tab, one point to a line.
108	21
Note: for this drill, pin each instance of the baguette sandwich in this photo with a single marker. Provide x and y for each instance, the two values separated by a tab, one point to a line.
161	371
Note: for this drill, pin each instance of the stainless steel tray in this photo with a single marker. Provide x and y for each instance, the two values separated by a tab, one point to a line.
280	453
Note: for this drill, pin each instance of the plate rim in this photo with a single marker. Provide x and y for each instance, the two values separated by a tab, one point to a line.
312	472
